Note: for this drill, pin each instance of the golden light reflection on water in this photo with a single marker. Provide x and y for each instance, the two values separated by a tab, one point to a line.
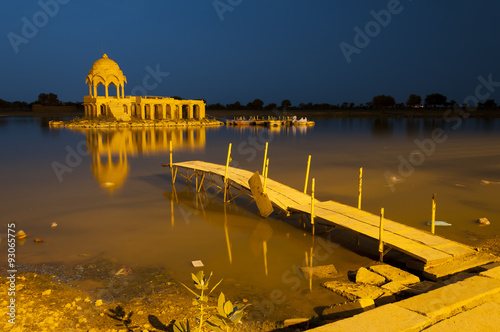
110	149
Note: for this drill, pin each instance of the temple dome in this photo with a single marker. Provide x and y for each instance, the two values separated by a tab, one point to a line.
105	63
105	71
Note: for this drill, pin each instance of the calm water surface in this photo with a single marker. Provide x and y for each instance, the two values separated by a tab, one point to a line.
111	198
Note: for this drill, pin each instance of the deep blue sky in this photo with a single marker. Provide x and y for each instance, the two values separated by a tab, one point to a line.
268	49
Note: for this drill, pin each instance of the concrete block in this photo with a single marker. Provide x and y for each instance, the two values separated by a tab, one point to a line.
364	276
347	309
491	273
485	317
448	300
392	273
352	291
389	318
321	272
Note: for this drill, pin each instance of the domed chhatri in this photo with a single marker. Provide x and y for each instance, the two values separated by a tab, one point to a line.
106	72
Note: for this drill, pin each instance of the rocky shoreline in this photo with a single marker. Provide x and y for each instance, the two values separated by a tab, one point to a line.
108	123
90	298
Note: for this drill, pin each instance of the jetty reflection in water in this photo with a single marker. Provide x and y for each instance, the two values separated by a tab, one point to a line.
110	149
204	203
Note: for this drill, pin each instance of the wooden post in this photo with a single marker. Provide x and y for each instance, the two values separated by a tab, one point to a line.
266	169
311	271
226	231
172	220
312	203
264	249
265	158
225	172
433	217
381	235
307	173
171	167
360	186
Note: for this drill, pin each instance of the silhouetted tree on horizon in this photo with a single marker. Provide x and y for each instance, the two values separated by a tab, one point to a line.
414	100
435	99
383	101
285	104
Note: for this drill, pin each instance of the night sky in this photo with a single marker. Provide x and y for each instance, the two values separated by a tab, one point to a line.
238	50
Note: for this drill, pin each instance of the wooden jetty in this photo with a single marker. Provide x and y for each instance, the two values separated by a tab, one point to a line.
434	255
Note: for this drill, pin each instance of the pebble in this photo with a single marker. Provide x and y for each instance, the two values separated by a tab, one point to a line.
47	292
483	221
98	303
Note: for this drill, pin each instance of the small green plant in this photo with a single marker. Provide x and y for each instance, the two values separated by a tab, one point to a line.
227	316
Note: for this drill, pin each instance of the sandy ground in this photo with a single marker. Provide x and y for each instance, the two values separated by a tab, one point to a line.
88	298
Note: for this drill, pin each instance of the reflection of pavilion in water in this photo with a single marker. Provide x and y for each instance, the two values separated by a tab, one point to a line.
110	149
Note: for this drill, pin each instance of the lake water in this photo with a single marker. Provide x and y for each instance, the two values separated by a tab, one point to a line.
111	199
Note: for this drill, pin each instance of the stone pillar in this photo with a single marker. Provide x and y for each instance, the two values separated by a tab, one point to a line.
95	91
190	111
90	89
152	111
143	111
106	88
164	111
202	110
123	90
171	110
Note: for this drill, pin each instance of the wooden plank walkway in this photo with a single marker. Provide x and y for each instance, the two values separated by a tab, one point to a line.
430	249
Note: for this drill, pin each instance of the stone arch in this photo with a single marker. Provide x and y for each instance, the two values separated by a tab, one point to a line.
168	112
196	111
117	89
158	111
185	111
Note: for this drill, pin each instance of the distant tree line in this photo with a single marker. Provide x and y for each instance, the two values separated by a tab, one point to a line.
44	99
380	102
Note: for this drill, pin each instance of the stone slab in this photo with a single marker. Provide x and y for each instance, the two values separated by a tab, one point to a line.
457	265
392	273
485	317
321	272
418	288
365	276
353	292
389	318
394	287
347	309
491	273
446	301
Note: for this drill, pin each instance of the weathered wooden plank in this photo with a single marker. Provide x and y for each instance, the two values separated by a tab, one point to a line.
263	203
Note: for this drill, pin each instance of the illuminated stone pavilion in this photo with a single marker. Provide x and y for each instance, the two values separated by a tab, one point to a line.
106	72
